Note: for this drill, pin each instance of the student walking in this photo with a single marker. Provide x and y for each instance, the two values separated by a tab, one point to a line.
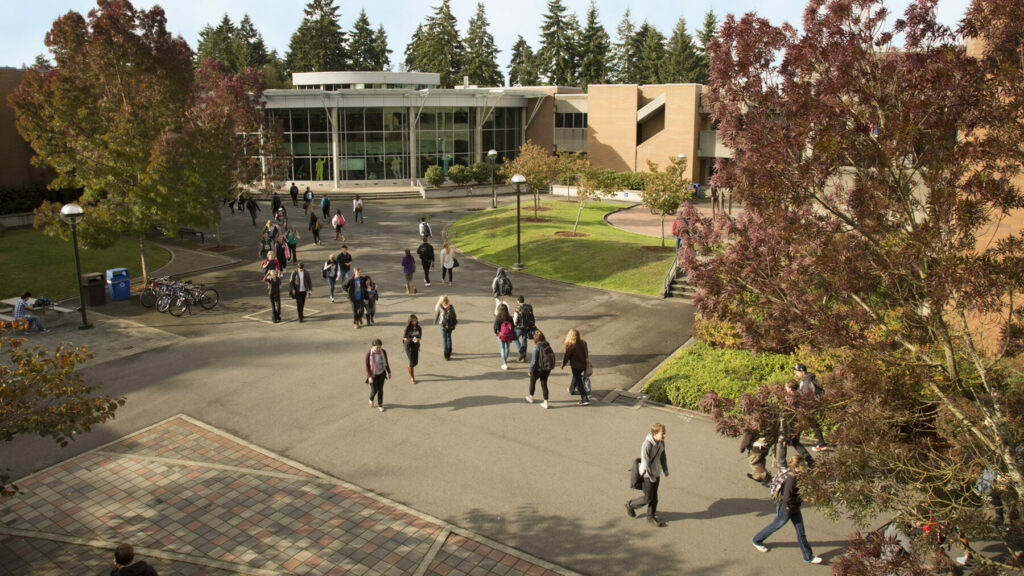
325	206
426	254
444	315
525	325
307	201
344	263
126	565
789	429
355	286
331	273
541	364
408	269
788	510
265	244
314	227
411	338
273	280
809	385
653	465
505	333
501	286
448	263
339	225
377	371
281	252
577	355
372	295
301	287
292	238
253	207
357	209
424	229
294	193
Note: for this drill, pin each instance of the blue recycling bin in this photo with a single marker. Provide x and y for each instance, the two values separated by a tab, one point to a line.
118	284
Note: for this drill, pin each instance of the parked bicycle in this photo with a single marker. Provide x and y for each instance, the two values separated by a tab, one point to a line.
176	297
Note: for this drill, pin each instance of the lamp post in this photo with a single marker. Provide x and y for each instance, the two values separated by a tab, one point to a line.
492	154
518	180
73	214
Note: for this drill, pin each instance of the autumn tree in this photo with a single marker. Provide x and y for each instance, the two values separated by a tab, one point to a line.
44	394
319	44
873	179
665	190
536	164
120	84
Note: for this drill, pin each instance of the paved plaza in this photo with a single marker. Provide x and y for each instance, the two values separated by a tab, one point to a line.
247	447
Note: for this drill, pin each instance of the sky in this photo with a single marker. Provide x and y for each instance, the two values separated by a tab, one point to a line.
23	25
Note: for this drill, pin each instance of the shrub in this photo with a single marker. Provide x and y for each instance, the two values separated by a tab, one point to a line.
460	174
434	176
717	333
688	375
631	180
482	172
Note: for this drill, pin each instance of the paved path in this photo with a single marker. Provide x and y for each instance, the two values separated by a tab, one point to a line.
462	445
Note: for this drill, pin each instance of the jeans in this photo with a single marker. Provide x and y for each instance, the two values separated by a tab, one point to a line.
359	216
577	384
330	283
781	517
503	348
377	388
649	499
782	449
543	377
300	302
446	343
522	337
33	321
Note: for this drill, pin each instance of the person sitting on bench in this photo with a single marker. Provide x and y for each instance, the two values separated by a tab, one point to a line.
20	312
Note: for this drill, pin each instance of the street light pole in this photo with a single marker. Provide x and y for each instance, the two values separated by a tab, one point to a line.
72	214
518	180
491	155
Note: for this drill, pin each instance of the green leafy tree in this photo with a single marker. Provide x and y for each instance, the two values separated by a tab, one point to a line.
625	53
536	164
557	53
522	67
436	47
381	52
481	53
665	190
121	83
652	53
217	43
594	49
44	394
247	48
318	45
682	64
362	44
706	34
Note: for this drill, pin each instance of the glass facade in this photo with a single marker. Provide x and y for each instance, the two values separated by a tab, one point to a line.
444	137
375	143
503	132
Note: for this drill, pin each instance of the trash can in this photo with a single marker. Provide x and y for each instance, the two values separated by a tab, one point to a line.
118	284
93	288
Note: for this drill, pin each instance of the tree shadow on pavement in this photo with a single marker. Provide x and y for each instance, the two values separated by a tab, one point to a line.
721	508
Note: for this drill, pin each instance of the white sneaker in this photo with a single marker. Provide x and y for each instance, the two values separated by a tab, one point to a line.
544	404
504	366
815	560
529	399
760	547
963	560
428	283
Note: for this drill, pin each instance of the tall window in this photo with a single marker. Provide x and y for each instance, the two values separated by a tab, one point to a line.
375	144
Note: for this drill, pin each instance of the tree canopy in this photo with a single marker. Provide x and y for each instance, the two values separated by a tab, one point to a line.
522	67
436	47
682	63
318	45
557	53
481	65
593	50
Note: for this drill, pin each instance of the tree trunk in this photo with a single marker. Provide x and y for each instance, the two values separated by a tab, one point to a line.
142	258
662	230
536	201
578	213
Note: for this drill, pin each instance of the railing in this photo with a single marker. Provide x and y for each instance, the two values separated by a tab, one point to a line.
670	277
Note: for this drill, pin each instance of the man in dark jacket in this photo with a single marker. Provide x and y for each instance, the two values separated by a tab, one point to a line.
809	385
124	564
653	465
426	254
275	203
294	192
301	287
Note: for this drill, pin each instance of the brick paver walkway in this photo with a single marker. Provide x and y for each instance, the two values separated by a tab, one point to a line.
195	500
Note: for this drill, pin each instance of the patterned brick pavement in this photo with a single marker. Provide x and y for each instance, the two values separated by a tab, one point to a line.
194	500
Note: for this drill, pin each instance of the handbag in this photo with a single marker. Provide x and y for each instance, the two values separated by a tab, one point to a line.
589	370
455	262
636	480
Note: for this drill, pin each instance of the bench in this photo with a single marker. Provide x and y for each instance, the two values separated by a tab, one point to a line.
192	231
43	312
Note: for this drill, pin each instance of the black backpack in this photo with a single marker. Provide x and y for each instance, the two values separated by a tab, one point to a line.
505	286
448	318
636	479
525	318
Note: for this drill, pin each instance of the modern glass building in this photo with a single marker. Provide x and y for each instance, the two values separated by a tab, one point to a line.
346	127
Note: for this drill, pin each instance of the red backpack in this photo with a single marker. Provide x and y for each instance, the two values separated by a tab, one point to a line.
506	333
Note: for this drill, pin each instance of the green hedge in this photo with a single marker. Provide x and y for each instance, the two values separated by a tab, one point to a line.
28	197
688	375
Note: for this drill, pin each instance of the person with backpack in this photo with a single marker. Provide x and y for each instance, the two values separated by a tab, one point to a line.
679	230
785	490
525	325
653	465
505	332
357	209
339	225
314	227
426	254
411	338
307	201
424	229
377	371
292	238
809	385
501	286
331	273
541	364
789	428
444	315
372	295
577	356
325	206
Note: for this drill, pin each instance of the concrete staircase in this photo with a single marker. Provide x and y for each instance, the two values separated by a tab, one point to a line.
676	285
369	194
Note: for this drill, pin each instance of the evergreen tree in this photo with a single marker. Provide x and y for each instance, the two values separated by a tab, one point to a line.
556	56
707	31
681	64
522	67
414	49
436	47
481	54
319	43
652	51
247	47
275	71
625	54
594	50
362	44
217	43
381	52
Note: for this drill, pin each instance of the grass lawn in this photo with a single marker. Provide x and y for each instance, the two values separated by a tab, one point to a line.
45	266
605	258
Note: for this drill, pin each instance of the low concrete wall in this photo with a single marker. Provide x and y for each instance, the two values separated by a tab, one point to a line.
633	196
474	191
22	220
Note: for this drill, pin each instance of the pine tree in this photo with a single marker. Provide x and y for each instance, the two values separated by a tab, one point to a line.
436	46
624	53
575	33
481	54
248	47
319	43
361	44
556	55
522	67
707	31
414	50
652	52
681	64
381	52
594	50
216	43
